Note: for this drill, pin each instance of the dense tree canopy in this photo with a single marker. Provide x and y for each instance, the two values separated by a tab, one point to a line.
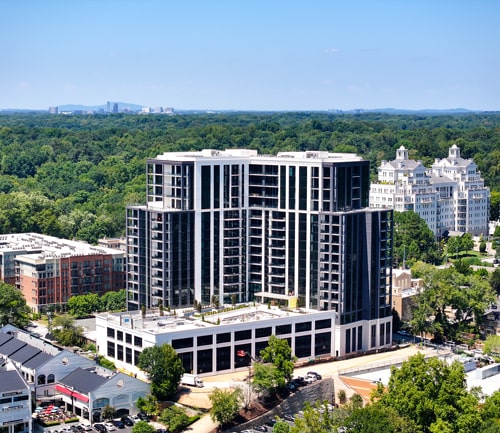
445	290
413	240
86	305
72	176
434	395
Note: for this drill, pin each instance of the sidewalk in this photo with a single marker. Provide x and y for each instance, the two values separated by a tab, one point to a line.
203	425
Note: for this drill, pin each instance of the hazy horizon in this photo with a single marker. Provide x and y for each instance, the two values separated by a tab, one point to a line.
251	56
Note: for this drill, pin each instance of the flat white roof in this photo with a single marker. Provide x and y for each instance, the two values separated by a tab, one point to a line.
187	320
307	156
34	246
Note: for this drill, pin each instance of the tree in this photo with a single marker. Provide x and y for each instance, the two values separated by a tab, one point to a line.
143	427
281	427
454	246
66	332
114	301
279	353
376	418
433	394
413	240
174	418
458	244
84	305
316	418
356	401
444	290
148	404
108	412
342	396
495	280
467	242
492	345
13	308
164	369
225	404
264	378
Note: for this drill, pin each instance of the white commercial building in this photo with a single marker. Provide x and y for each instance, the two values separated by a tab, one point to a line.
225	341
451	196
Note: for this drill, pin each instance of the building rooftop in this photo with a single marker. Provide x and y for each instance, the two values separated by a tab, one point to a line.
187	319
84	381
11	380
249	153
35	246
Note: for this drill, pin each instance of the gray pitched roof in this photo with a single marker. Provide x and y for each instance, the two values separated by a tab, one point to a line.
25	353
11	347
4	338
11	380
83	381
37	360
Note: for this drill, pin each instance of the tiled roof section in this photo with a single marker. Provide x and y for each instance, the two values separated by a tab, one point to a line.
83	381
11	347
25	354
37	360
4	338
406	163
11	381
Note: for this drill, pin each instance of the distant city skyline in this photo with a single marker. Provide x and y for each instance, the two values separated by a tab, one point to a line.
258	55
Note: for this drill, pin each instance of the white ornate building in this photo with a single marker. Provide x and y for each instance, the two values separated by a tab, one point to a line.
450	196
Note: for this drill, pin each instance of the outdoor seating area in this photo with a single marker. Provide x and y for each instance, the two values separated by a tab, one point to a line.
51	414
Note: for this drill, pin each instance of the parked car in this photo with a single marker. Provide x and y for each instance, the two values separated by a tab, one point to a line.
309	379
87	427
313	373
299	381
109	426
143	416
127	420
270	422
288	417
118	423
101	428
134	418
260	428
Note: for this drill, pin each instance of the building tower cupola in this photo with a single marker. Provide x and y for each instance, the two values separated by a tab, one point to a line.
454	152
402	153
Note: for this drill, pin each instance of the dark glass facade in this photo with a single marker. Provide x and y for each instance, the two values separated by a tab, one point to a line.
293	229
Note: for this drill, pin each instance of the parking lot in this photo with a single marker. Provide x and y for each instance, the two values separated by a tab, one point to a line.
84	426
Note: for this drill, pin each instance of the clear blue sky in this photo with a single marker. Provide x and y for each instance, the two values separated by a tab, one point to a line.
251	54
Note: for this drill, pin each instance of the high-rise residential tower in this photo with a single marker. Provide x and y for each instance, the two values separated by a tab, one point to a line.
450	197
293	229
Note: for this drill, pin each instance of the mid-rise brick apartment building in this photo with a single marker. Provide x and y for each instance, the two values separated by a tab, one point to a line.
49	270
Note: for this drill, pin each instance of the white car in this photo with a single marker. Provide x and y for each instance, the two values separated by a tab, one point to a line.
310	379
109	426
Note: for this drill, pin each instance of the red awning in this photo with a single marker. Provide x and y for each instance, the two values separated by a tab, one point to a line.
71	393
